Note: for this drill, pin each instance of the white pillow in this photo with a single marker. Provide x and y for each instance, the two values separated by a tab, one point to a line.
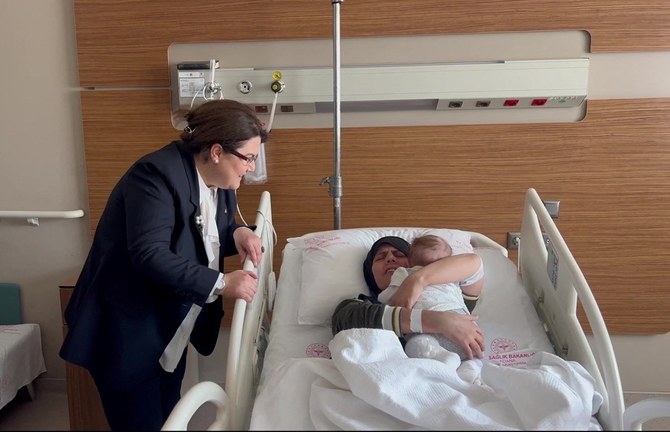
332	265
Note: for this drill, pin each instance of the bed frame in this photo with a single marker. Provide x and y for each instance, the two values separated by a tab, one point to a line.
250	326
555	282
549	273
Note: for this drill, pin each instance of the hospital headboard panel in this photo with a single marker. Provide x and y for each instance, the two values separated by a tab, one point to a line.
143	30
610	172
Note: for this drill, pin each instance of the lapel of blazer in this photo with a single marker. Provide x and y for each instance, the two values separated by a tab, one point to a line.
194	195
222	211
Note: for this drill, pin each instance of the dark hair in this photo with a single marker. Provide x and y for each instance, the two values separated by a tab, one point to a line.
398	243
223	121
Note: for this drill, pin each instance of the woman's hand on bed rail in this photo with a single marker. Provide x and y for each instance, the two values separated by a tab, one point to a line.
459	328
248	244
240	284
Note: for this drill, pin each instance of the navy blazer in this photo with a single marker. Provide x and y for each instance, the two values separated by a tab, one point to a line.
146	267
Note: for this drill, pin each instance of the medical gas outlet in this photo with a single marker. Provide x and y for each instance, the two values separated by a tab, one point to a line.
245	87
277	85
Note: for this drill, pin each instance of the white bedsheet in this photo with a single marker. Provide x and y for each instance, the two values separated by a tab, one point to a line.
21	359
371	384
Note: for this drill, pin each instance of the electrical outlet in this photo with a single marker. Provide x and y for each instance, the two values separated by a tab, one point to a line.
552	208
514	239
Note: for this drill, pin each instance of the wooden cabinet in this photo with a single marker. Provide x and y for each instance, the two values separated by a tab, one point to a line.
83	401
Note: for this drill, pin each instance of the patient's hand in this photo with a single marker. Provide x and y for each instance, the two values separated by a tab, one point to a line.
459	328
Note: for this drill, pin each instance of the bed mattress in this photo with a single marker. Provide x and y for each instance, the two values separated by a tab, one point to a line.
514	336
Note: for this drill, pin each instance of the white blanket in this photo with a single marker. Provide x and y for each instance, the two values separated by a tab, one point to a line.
371	384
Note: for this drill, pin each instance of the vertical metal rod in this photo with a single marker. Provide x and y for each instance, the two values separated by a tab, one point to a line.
336	181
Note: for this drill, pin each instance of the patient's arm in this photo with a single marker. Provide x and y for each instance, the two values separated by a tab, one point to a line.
357	313
451	269
472	287
462	329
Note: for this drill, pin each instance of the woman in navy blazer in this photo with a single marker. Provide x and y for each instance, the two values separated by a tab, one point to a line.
153	279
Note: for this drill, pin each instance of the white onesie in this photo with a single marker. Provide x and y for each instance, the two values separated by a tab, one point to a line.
441	297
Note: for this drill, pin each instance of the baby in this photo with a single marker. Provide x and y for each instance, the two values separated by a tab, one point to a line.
445	297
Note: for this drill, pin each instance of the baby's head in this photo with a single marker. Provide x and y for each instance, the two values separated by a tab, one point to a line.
427	249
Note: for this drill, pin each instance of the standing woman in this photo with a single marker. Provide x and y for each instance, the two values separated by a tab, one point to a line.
153	279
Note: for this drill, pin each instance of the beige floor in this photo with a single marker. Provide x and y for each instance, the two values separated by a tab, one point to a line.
49	411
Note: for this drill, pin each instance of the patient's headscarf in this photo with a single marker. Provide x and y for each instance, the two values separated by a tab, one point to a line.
398	243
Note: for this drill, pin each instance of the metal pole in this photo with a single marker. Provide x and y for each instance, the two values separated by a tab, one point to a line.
336	181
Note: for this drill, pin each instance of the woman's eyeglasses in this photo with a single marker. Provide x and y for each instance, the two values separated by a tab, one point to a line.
248	159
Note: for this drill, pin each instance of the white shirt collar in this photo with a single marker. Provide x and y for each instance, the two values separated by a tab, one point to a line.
206	191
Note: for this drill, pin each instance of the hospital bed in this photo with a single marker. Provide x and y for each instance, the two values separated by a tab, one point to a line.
539	371
21	358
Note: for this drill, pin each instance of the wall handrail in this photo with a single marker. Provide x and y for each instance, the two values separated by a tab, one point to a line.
33	216
26	214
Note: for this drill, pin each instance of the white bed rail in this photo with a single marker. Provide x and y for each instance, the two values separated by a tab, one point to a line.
555	293
248	331
648	409
201	393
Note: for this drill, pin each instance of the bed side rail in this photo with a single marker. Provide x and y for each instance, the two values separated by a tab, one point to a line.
555	282
480	240
198	395
249	328
642	411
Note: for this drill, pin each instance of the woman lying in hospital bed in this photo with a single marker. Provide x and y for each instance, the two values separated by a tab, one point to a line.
372	384
384	269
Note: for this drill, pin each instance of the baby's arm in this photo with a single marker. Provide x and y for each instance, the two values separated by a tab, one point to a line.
398	276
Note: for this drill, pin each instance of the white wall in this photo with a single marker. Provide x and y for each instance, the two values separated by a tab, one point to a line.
42	159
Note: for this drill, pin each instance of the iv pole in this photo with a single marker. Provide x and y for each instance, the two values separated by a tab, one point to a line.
335	182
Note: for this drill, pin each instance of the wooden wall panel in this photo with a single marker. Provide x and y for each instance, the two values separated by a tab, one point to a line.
119	127
609	171
125	42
